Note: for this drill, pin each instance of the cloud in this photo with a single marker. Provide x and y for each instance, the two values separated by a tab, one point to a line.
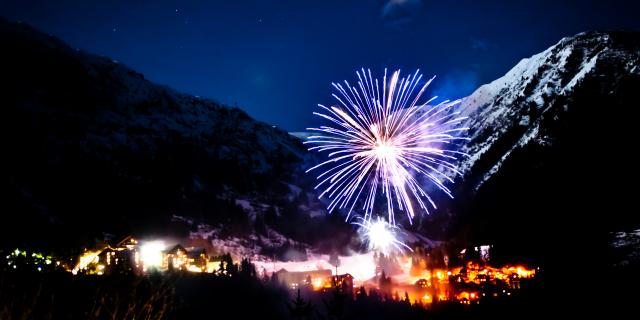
398	13
455	84
479	44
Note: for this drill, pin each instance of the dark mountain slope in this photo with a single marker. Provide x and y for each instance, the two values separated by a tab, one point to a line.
91	146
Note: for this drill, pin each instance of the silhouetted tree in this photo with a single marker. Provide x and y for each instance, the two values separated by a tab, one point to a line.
336	305
221	267
300	308
230	268
406	300
384	283
361	295
247	269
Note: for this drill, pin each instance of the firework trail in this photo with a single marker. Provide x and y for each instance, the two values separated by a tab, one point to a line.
381	137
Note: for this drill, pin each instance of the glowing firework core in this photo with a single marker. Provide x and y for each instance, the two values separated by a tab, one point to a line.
384	151
151	254
379	236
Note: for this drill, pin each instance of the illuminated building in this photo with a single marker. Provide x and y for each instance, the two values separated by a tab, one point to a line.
179	258
343	283
198	259
175	259
122	257
130	255
316	279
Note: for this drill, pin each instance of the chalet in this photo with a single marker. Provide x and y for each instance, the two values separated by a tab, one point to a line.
198	258
179	258
176	258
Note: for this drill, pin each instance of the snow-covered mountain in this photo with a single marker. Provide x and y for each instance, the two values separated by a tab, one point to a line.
551	168
511	112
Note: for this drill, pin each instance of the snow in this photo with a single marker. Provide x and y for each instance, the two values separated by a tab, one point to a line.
244	204
627	243
564	55
302	135
623	239
497	107
246	247
586	68
182	219
316	213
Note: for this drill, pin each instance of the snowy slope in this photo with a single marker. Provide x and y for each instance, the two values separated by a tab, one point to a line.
507	113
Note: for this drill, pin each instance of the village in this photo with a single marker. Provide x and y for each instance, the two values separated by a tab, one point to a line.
410	276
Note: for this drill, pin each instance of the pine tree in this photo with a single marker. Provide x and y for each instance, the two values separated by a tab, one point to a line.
361	295
407	300
221	267
384	283
230	268
247	269
299	308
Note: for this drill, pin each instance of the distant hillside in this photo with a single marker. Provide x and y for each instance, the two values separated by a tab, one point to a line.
91	146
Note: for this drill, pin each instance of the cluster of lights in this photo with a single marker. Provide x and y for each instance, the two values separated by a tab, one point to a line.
324	283
86	260
151	254
38	260
464	284
478	274
145	257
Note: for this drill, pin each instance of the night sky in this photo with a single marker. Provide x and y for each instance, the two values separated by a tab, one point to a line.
277	59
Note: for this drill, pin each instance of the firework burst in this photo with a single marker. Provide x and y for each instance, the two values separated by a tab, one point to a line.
381	137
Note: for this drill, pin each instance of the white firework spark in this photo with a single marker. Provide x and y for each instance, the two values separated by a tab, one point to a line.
382	137
381	236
